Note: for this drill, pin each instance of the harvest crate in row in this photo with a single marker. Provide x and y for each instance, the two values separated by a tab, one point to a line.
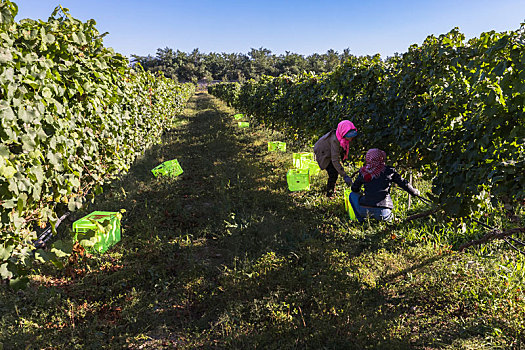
168	168
97	231
276	146
298	179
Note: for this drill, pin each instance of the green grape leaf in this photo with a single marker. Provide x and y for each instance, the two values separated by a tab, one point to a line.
5	273
62	248
19	283
5	252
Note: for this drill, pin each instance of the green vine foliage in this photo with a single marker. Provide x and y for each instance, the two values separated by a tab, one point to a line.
73	115
452	109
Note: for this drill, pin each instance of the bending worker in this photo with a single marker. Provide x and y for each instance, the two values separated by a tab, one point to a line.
330	149
377	179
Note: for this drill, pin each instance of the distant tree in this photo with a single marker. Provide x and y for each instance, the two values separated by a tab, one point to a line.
332	60
315	63
262	62
195	66
146	62
291	63
345	55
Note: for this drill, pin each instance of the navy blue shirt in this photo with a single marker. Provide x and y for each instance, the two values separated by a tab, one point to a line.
377	191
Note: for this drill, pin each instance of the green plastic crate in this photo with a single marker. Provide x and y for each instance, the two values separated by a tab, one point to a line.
348	207
168	168
276	146
311	165
299	157
238	116
103	239
244	124
298	179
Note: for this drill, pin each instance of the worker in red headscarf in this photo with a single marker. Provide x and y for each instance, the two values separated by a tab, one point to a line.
377	178
333	147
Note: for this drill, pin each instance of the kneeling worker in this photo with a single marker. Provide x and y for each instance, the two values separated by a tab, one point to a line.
377	179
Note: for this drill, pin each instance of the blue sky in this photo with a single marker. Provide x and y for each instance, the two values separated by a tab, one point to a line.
366	27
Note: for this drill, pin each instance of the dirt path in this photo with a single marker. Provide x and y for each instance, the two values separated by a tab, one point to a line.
201	254
219	230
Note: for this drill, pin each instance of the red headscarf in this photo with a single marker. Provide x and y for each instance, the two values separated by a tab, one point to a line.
375	164
342	129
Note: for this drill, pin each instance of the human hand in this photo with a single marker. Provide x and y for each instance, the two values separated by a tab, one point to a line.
348	180
416	191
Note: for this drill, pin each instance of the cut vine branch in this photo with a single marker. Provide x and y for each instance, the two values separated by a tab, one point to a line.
422	215
492	235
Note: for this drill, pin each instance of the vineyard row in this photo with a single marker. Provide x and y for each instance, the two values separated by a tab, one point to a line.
451	109
73	115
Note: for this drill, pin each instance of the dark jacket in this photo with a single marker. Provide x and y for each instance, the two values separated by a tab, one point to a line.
377	191
328	150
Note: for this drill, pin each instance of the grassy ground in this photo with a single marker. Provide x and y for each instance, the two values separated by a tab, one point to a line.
224	256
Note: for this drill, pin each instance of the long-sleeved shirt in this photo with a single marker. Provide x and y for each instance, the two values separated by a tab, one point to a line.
328	150
377	190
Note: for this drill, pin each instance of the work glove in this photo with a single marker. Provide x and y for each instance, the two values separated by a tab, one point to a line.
348	180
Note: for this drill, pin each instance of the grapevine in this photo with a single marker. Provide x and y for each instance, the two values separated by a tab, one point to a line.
73	115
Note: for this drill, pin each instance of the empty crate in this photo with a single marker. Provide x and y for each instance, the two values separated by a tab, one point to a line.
348	206
243	124
311	165
299	157
238	116
169	168
276	146
298	179
105	236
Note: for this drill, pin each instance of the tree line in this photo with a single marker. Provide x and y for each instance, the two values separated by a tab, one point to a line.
199	66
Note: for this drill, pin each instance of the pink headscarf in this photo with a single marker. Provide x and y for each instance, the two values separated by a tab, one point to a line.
342	129
375	164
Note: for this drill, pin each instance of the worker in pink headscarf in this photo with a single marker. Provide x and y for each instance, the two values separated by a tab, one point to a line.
333	147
